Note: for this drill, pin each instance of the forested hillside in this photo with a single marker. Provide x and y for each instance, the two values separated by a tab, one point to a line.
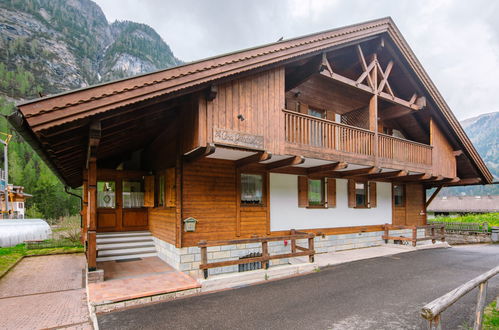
51	46
483	131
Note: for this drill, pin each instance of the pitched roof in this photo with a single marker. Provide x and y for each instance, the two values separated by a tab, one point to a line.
465	204
52	111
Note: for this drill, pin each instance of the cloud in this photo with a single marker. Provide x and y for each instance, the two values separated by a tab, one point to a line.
456	41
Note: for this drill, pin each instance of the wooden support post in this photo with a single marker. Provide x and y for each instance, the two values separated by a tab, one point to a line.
293	241
204	258
373	112
435	193
442	233
92	214
265	255
386	232
311	248
92	250
480	305
414	236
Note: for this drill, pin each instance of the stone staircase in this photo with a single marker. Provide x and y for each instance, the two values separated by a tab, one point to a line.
125	245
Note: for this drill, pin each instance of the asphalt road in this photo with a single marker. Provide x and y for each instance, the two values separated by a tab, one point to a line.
381	293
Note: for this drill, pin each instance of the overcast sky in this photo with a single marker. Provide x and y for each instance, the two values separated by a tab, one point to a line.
456	41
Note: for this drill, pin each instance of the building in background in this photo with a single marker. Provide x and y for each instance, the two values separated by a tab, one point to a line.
455	206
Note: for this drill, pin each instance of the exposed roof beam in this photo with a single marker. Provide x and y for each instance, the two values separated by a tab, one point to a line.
458	182
256	158
199	152
416	177
94	136
303	73
296	160
326	168
382	95
360	171
457	153
387	175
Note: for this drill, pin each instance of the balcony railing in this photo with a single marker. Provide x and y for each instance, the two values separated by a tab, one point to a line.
401	150
327	135
333	137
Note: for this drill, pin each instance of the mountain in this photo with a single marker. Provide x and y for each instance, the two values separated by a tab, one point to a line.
52	46
483	131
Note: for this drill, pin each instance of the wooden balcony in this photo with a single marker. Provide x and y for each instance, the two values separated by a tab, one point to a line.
324	139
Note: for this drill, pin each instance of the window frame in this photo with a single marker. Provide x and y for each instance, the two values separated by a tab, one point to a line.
264	188
366	198
404	195
323	204
159	176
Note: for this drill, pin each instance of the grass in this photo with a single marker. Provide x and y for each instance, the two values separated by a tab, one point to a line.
9	256
491	218
491	317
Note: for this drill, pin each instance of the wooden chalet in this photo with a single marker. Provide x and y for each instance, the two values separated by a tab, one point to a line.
332	134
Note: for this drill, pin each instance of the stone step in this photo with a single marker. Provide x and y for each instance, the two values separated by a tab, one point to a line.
127	251
138	255
119	239
124	234
125	245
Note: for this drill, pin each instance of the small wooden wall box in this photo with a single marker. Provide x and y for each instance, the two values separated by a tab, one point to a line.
190	224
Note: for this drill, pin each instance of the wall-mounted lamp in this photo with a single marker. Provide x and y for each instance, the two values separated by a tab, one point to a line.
297	94
240	117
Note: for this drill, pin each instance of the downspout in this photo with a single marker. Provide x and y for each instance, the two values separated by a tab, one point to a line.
66	190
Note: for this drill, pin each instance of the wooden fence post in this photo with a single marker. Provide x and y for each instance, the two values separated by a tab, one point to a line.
311	248
480	305
293	241
433	235
435	323
442	232
204	258
265	254
414	236
386	232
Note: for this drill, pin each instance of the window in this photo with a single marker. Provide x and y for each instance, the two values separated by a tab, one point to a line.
316	192
317	113
398	195
160	192
315	129
133	194
360	194
251	189
106	194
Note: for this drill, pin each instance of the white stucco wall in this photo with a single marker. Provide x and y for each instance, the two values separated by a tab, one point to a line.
285	213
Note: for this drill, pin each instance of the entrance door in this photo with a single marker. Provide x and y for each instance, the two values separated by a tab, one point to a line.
399	204
120	204
408	204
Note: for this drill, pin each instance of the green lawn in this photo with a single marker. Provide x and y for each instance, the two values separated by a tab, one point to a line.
491	317
11	255
491	218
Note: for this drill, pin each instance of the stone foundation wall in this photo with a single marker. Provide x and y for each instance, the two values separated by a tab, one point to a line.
188	259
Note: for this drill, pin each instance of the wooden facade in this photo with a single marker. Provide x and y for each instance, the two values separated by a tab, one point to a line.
349	104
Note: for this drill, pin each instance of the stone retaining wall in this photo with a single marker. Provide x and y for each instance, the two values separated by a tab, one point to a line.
188	259
468	238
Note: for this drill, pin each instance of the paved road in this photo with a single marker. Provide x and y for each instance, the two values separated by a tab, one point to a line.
45	292
380	293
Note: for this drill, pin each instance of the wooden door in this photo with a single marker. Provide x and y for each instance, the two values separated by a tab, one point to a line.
399	201
108	205
120	203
